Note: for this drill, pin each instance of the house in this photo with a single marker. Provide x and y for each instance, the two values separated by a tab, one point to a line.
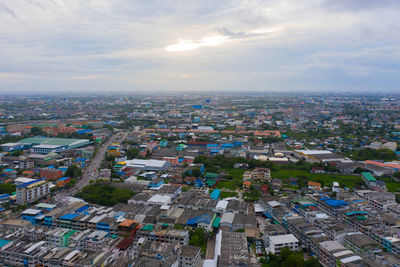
276	184
262	174
318	169
264	189
246	184
314	186
156	183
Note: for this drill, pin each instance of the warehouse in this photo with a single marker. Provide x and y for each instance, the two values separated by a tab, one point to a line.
44	145
148	165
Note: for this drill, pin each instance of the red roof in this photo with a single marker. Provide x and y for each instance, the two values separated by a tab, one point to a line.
125	243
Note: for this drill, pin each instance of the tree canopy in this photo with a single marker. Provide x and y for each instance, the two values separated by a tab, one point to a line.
105	195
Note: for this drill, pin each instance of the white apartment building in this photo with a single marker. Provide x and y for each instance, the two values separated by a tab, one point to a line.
277	242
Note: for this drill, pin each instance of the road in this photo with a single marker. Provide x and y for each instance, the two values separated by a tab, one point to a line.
91	171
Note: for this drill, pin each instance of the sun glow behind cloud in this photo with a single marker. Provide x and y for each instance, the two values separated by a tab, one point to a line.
187	45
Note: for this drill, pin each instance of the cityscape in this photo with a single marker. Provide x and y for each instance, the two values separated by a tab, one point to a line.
200	180
170	133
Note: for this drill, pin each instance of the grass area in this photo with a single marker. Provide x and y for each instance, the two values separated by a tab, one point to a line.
229	184
225	194
327	179
393	187
237	174
303	176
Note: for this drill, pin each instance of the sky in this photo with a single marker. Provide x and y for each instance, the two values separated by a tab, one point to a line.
208	45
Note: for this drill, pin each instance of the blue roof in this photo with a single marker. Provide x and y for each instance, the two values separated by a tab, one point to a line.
81	159
69	216
29	183
267	215
205	218
336	203
3	242
2	196
81	209
324	198
215	194
63	178
212	145
228	145
84	131
356	212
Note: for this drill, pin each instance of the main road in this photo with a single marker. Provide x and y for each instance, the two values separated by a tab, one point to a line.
91	171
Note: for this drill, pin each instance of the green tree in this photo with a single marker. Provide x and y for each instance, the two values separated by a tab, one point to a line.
132	153
37	131
7	188
73	171
196	172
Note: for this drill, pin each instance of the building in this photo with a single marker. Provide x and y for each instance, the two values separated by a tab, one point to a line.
53	143
189	256
50	173
105	173
148	164
277	242
46	149
63	181
31	191
9	147
4	198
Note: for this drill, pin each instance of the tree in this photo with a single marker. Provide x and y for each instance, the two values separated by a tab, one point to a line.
198	238
105	194
7	188
196	172
73	171
37	131
132	153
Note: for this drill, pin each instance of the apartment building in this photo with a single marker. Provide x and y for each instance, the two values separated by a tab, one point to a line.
31	191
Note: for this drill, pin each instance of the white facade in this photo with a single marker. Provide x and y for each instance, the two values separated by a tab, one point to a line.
29	192
276	243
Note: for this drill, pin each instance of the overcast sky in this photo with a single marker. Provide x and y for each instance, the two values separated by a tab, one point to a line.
199	45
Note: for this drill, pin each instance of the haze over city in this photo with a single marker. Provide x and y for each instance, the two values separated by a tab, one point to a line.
145	46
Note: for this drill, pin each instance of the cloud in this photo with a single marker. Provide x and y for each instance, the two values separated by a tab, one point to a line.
187	45
360	5
217	45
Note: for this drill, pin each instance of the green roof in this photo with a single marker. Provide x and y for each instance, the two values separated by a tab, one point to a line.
368	176
216	222
210	183
148	227
211	175
55	141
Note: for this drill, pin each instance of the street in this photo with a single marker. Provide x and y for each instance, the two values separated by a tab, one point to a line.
91	171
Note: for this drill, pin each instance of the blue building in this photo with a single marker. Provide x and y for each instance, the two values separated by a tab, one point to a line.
4	198
156	183
30	215
215	194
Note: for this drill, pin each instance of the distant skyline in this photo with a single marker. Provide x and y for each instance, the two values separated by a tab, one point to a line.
143	46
